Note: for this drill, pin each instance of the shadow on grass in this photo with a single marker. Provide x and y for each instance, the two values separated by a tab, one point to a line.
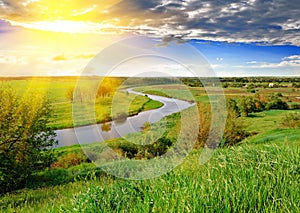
255	116
60	176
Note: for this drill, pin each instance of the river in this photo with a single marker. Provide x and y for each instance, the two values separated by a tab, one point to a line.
95	133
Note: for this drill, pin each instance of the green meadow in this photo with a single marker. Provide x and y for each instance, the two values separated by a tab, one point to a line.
259	174
56	90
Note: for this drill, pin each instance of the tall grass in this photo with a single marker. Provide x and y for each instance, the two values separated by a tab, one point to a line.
248	178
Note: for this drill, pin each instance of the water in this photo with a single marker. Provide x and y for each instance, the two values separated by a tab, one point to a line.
114	129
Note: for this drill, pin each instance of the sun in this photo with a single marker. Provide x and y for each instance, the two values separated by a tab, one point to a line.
68	16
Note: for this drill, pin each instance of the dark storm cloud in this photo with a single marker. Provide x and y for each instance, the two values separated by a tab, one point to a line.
271	21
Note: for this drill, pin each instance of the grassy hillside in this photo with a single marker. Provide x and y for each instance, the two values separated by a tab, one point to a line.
260	174
252	177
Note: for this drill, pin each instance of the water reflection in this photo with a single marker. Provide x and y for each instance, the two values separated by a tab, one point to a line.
123	124
106	127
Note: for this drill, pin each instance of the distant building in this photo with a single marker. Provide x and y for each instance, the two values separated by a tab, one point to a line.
271	85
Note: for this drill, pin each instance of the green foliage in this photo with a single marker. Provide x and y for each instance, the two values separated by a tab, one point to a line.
69	160
108	86
246	105
234	132
259	176
205	124
146	126
291	120
296	85
275	102
294	106
145	150
235	129
24	137
70	94
232	106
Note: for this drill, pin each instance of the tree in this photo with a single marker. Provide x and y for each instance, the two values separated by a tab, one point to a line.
246	105
232	106
25	137
70	94
275	102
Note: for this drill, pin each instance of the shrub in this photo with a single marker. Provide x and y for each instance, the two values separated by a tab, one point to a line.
275	102
291	120
246	105
148	151
25	137
234	131
69	94
69	160
205	123
294	106
232	106
259	103
146	126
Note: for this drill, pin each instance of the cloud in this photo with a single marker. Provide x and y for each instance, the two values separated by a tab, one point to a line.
12	59
62	57
286	62
6	27
272	22
59	58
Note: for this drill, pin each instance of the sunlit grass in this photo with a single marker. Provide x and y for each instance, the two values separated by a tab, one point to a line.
247	178
57	88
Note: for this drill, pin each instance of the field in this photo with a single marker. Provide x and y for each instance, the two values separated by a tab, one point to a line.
56	90
259	174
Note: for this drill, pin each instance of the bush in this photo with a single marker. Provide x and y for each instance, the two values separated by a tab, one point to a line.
275	102
232	106
69	160
205	123
246	105
294	106
25	137
148	151
234	131
291	120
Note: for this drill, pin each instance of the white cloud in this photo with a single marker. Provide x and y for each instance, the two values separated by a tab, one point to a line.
11	58
290	61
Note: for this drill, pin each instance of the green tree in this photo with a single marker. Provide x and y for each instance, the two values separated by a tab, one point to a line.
259	104
233	106
275	102
25	137
246	105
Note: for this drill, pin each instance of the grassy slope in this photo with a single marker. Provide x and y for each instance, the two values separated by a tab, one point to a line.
246	178
260	175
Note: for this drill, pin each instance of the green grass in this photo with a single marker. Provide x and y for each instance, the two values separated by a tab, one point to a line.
267	120
252	177
261	174
57	88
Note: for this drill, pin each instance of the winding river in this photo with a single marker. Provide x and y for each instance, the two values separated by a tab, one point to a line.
98	132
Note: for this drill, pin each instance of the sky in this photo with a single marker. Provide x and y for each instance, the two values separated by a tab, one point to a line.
236	38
